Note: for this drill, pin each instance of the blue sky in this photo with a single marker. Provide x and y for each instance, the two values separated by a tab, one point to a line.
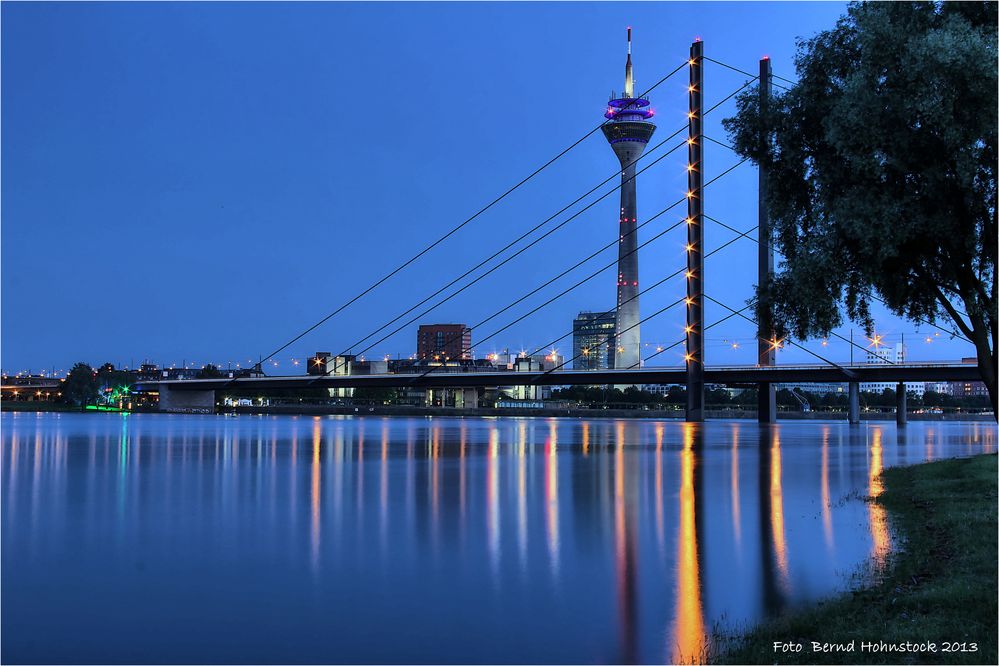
200	182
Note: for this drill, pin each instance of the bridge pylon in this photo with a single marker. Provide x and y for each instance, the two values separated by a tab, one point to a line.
694	352
766	393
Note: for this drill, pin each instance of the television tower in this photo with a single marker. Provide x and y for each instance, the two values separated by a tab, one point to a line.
628	132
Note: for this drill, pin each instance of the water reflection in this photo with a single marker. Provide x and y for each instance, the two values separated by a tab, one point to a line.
689	635
624	552
317	433
551	495
736	495
549	530
878	520
492	499
773	550
826	499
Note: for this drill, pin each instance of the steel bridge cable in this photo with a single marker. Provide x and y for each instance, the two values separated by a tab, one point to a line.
566	291
616	334
794	83
455	229
928	322
485	261
583	261
515	254
789	81
790	342
734	312
513	243
741	71
730	96
336	365
920	319
723	145
719	222
683	340
594	274
668	277
715	106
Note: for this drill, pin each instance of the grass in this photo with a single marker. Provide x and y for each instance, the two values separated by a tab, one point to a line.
939	586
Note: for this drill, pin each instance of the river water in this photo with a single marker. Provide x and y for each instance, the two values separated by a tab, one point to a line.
248	539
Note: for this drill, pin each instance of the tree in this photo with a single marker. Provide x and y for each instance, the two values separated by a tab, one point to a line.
80	387
375	394
110	378
209	372
882	163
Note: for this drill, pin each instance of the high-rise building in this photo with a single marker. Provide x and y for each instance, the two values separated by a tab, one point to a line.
974	389
628	132
593	344
440	342
883	354
944	388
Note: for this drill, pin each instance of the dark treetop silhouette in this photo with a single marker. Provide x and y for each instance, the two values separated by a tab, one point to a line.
883	172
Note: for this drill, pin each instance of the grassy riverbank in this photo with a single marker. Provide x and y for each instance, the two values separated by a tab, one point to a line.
939	587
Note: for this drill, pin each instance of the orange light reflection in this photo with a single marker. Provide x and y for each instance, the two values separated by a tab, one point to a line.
689	636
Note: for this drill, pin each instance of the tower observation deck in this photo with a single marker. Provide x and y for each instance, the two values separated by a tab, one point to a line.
628	133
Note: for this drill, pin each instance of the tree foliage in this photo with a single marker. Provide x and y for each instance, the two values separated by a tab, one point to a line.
882	163
210	371
375	394
110	378
80	387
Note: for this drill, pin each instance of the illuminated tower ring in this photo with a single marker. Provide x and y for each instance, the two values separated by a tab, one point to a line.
628	132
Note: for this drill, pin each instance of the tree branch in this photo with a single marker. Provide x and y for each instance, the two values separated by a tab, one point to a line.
952	311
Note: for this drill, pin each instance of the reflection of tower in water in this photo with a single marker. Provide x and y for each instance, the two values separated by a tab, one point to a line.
624	552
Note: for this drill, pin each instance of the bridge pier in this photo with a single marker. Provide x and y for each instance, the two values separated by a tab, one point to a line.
177	401
766	402
469	398
901	417
854	413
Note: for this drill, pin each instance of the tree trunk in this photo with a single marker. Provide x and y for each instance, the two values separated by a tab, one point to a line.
987	367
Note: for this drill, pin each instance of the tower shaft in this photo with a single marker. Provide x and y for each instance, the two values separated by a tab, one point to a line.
628	131
627	327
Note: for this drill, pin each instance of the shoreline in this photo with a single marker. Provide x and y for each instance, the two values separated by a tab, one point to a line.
674	415
547	412
935	600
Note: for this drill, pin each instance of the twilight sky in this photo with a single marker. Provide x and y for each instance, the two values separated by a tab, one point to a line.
187	182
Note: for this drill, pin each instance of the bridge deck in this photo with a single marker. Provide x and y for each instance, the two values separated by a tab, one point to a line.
748	374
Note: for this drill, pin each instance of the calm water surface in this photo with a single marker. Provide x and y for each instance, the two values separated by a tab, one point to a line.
154	538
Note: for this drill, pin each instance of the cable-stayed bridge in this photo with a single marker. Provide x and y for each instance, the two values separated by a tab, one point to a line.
629	129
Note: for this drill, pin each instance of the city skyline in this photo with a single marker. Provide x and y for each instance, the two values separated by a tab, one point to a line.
136	126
